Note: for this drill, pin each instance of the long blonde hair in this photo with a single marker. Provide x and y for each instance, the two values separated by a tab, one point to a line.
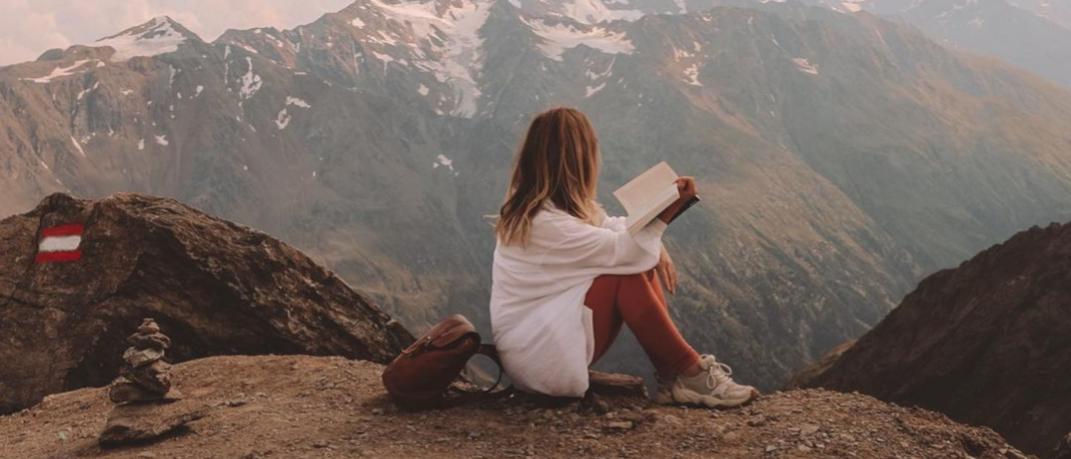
558	162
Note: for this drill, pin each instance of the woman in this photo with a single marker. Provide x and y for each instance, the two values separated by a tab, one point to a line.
565	276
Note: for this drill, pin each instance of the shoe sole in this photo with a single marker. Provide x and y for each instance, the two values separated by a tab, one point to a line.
694	398
663	399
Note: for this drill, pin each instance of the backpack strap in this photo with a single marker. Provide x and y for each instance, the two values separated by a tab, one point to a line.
491	352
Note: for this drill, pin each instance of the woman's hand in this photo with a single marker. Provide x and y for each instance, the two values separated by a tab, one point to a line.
667	272
687	189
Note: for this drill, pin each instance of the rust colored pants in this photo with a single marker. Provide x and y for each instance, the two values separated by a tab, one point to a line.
637	300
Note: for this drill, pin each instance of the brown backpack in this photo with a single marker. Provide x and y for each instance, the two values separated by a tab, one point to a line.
420	375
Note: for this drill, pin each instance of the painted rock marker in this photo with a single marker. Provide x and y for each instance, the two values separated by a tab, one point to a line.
60	244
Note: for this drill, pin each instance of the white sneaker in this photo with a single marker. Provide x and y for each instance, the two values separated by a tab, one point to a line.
712	387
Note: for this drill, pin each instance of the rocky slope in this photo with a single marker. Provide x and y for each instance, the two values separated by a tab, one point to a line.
840	156
293	406
216	287
987	343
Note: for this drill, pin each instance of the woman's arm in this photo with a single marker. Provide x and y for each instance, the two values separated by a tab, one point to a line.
615	223
609	250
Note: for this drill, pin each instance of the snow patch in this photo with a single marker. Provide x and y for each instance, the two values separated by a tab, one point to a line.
447	41
805	66
357	22
442	160
251	82
198	91
162	140
297	102
157	37
383	57
58	72
852	7
141	144
595	11
591	90
423	90
83	92
691	75
384	38
78	146
559	37
282	119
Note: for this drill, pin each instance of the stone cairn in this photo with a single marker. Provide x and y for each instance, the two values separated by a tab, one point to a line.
147	407
145	376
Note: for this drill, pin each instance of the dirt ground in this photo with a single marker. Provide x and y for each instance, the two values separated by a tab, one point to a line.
331	407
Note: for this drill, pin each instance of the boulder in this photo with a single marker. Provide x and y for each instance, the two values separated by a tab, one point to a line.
215	286
986	343
142	423
1063	449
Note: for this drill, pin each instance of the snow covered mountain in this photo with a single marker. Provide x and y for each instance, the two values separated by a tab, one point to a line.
841	156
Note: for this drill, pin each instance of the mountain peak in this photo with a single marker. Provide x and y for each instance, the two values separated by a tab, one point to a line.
158	35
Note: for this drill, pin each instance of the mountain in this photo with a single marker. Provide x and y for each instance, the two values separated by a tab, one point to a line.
986	343
1058	12
840	157
216	287
331	407
1032	34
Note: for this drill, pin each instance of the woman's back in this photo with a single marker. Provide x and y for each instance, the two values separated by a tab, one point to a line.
540	325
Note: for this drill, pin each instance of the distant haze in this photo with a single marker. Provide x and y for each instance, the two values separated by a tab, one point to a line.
29	27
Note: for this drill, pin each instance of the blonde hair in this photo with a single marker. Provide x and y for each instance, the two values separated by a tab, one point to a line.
557	162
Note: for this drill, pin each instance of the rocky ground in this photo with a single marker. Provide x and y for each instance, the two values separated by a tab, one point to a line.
300	406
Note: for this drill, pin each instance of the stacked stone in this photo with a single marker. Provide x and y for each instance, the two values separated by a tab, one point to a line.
145	376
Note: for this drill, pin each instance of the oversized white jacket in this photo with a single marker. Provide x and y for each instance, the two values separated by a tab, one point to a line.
540	325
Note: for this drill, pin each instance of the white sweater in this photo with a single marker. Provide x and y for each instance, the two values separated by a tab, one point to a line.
540	325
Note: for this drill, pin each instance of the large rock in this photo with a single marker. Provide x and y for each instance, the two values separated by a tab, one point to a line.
216	287
986	343
139	423
1063	449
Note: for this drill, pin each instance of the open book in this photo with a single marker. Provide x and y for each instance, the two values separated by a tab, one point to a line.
647	195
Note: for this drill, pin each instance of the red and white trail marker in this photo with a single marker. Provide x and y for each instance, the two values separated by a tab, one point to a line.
60	243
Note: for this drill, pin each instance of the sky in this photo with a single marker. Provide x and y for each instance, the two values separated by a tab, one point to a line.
29	27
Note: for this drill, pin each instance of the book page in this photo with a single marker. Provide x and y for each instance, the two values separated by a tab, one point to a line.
647	195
